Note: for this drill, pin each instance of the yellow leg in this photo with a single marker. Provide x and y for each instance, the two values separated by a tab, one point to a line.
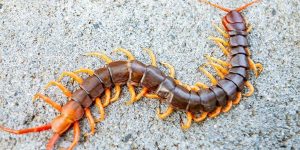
141	94
107	97
171	69
60	86
249	28
164	115
195	88
101	110
213	80
72	75
219	73
224	33
227	107
152	96
216	39
248	51
257	68
188	122
201	117
91	122
215	113
126	52
132	94
250	88
219	61
47	100
101	56
201	85
117	93
84	70
152	56
237	99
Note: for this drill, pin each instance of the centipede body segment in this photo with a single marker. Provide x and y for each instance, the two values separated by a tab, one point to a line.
199	101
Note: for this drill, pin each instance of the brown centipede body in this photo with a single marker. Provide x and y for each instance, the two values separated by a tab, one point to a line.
198	101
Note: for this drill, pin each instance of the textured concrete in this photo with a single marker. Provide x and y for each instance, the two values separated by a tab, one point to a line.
40	39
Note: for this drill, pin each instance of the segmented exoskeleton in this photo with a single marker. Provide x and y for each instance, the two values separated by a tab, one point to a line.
198	101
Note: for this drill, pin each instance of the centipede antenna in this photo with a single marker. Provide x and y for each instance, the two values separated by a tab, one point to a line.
216	5
246	5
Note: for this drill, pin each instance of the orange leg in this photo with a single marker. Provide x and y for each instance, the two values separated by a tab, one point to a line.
216	5
72	75
227	107
101	110
213	80
237	99
52	141
164	115
28	130
47	100
215	113
201	117
152	96
250	88
141	94
76	135
246	5
60	86
107	97
91	121
188	122
117	93
132	94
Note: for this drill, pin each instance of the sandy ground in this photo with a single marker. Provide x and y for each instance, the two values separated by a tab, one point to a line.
39	40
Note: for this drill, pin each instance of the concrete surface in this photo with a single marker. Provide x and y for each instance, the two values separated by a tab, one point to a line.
41	39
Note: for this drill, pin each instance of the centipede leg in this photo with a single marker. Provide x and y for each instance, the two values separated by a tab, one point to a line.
101	56
60	86
201	117
117	93
132	94
90	72
237	99
101	110
28	130
250	88
126	52
76	129
201	85
257	68
107	97
188	123
152	56
227	107
141	94
152	96
219	61
213	80
219	40
52	141
91	122
225	34
171	69
72	75
47	100
221	71
215	113
164	115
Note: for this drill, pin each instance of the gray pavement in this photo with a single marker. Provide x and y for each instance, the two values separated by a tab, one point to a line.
41	39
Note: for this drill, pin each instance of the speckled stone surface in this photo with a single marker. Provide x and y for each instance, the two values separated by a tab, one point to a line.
41	39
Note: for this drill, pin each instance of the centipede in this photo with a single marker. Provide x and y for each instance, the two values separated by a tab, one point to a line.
198	101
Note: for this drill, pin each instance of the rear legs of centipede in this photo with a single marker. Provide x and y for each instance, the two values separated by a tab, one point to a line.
222	67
